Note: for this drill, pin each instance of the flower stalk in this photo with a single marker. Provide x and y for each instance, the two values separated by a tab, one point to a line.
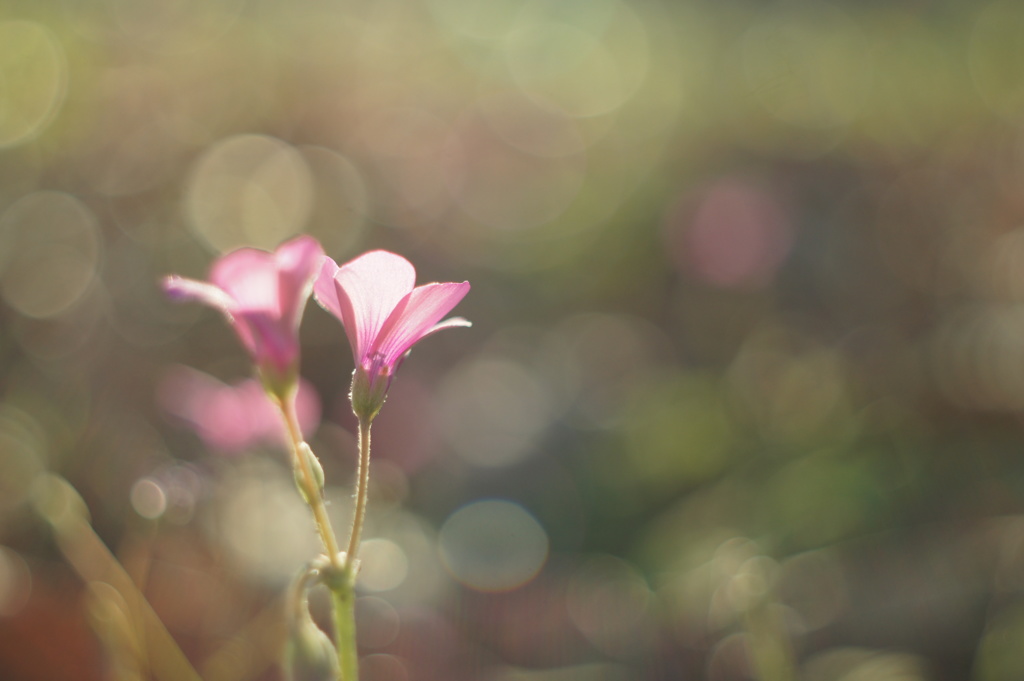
362	491
310	484
343	597
343	592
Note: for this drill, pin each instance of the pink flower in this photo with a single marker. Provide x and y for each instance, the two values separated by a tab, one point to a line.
232	418
384	316
263	296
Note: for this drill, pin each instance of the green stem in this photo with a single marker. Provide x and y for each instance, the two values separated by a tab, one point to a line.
344	592
362	490
314	494
343	596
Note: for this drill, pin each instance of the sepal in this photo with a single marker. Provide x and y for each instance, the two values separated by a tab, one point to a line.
309	654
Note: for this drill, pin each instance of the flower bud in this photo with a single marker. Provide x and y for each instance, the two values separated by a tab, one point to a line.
309	653
318	474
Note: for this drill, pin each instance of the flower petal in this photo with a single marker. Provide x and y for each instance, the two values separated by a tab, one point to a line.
298	262
451	323
368	289
324	290
181	289
267	338
331	298
417	316
250	277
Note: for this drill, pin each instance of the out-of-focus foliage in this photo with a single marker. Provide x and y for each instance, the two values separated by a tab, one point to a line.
742	395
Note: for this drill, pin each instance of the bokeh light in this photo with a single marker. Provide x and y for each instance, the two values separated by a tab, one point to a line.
493	411
610	602
493	545
33	80
249	190
258	514
148	498
384	565
502	186
51	250
585	66
737	235
377	622
382	667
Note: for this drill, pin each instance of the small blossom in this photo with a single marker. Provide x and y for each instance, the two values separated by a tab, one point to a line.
232	418
263	296
384	315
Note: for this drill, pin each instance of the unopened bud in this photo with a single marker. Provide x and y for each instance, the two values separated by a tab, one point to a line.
315	468
309	654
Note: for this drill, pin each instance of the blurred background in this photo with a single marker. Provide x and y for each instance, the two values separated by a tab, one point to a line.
742	398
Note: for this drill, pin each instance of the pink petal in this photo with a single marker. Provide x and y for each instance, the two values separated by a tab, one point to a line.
327	293
368	289
324	290
298	262
267	338
417	316
181	289
250	277
451	323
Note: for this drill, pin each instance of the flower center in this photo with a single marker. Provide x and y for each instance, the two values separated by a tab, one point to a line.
375	366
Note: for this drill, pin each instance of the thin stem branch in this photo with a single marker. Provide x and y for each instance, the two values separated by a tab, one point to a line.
313	490
362	491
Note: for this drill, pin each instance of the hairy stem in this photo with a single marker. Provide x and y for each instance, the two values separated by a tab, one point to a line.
344	594
362	490
343	597
314	493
